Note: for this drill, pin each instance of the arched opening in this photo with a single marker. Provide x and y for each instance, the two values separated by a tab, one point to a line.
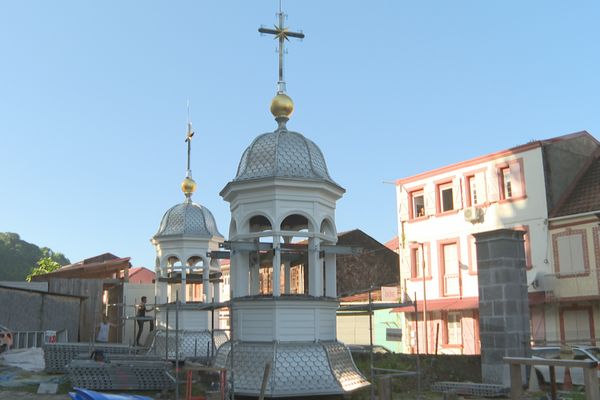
232	228
294	254
174	268
259	223
295	222
328	229
329	265
194	279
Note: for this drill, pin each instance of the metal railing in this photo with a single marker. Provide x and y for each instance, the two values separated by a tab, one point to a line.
30	339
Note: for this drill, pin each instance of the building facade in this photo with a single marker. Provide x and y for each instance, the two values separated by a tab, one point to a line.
440	210
571	312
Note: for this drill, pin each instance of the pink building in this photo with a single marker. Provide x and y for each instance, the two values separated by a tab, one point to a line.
141	275
440	210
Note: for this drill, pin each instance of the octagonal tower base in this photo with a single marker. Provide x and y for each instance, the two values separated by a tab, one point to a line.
296	334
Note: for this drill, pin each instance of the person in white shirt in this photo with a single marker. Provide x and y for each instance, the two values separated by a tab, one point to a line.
104	329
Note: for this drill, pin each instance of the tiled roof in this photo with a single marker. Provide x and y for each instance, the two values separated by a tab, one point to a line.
141	275
393	244
282	154
585	196
188	219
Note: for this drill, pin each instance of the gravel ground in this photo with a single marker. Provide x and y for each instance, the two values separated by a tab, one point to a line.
6	395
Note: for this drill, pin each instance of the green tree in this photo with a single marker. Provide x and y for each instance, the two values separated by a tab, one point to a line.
18	257
44	265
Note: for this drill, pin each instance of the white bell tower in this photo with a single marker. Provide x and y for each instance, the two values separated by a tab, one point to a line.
185	272
282	239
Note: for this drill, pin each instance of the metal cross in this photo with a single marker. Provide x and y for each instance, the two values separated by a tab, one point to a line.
282	34
188	139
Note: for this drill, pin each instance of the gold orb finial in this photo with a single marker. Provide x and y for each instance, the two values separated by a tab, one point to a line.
188	186
282	106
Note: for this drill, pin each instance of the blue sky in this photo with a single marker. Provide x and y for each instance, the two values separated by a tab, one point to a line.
93	101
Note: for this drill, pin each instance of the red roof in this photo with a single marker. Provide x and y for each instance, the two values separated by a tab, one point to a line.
141	275
90	270
466	303
393	244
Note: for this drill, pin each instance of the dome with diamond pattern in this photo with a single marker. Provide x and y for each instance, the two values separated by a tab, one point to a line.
282	154
188	219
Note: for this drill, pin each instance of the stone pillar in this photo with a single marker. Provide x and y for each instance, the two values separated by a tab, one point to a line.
330	275
503	302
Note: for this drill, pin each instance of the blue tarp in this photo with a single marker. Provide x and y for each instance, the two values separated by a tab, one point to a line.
85	394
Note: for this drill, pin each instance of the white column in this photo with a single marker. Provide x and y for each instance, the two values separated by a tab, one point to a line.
330	275
315	268
287	270
205	281
217	293
287	278
239	263
216	288
183	292
255	275
276	266
161	287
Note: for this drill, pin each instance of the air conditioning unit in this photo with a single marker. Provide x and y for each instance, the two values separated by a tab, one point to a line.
473	214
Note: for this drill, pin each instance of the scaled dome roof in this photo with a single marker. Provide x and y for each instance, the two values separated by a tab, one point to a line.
283	154
190	219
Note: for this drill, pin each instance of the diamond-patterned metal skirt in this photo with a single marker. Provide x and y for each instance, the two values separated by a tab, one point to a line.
192	344
298	368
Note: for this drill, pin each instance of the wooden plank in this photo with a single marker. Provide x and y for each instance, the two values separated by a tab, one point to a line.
515	381
556	363
592	390
91	307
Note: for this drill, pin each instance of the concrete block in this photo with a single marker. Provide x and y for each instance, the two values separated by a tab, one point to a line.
499	341
499	308
486	307
483	251
487	340
492	356
512	307
512	291
491	292
47	388
484	275
495	373
504	248
493	324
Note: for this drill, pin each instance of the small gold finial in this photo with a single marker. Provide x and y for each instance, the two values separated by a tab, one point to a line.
282	106
188	186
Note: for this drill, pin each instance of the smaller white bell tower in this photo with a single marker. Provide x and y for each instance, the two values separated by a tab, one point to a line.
184	271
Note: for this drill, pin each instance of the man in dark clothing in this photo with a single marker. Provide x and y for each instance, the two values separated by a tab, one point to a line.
141	318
